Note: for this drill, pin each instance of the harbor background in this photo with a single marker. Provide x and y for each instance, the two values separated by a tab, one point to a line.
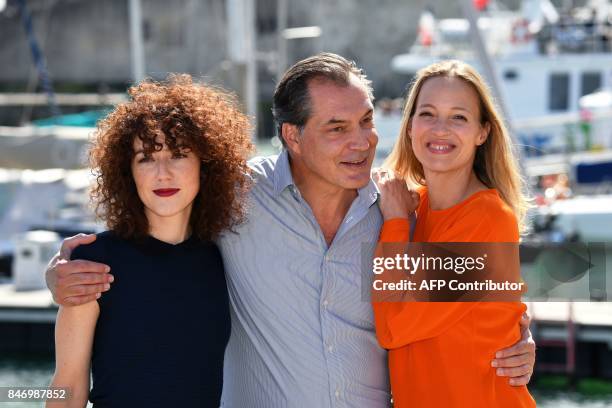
66	62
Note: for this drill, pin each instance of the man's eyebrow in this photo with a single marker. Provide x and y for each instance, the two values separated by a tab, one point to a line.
335	121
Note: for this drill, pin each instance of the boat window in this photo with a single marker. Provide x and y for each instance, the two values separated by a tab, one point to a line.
510	75
558	92
590	82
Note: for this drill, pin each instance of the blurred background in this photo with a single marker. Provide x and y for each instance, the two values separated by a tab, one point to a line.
66	63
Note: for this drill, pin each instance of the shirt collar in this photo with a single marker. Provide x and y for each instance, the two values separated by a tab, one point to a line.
369	193
283	179
282	173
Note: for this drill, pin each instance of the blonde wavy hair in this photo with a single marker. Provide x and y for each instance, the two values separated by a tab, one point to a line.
495	163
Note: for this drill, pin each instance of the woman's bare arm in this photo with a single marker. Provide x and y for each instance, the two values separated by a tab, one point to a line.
74	332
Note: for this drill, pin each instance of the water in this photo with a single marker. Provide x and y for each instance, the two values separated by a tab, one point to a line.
37	371
25	371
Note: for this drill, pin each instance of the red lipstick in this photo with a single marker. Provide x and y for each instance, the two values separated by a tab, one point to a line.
166	192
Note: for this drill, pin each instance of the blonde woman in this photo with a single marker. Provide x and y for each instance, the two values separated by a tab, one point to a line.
453	145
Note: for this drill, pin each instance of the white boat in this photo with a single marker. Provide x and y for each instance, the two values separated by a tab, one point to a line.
52	199
554	72
39	148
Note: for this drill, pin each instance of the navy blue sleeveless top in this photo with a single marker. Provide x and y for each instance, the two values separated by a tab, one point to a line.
163	325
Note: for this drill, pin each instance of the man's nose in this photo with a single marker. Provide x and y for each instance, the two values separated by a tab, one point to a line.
363	139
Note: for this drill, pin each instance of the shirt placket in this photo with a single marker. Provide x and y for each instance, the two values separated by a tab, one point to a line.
329	329
327	322
337	381
327	284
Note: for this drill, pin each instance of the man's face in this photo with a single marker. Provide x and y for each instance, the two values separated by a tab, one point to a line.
336	147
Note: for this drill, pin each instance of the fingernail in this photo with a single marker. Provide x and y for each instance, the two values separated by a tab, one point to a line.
111	278
512	382
494	363
98	295
500	371
106	286
498	355
107	269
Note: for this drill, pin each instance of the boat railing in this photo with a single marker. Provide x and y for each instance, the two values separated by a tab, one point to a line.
506	38
575	38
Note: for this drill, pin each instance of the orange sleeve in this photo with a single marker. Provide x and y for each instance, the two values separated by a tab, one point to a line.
395	230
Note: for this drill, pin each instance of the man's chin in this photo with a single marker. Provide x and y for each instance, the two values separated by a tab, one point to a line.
355	183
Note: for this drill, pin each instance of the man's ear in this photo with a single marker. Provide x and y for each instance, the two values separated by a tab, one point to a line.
291	135
484	133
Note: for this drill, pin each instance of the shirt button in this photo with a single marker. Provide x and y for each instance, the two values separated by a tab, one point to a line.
337	394
325	303
330	348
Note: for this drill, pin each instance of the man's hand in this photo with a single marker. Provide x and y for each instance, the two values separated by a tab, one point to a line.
76	282
396	200
518	360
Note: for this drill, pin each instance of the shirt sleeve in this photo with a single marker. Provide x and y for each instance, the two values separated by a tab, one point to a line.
395	230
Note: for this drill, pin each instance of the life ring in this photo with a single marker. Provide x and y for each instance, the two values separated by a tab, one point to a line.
520	32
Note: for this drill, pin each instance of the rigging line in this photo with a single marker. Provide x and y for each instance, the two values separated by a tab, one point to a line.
38	57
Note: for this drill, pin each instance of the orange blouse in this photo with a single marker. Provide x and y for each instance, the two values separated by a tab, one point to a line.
440	353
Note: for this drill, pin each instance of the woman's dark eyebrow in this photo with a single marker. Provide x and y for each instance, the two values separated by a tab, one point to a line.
428	105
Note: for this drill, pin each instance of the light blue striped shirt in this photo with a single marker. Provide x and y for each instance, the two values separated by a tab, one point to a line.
302	334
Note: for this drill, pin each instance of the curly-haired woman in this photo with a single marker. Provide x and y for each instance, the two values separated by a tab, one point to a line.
169	167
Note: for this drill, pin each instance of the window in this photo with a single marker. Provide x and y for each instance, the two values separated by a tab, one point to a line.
510	75
558	92
266	21
590	82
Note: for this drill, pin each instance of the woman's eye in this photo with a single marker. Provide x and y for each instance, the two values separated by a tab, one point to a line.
337	129
179	155
145	159
460	117
425	114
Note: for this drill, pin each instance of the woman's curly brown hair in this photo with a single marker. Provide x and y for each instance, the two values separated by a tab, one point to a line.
201	117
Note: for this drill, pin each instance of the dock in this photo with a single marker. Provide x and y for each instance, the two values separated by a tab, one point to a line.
27	320
572	338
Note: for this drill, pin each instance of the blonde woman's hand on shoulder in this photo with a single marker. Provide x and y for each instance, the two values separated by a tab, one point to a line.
396	199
